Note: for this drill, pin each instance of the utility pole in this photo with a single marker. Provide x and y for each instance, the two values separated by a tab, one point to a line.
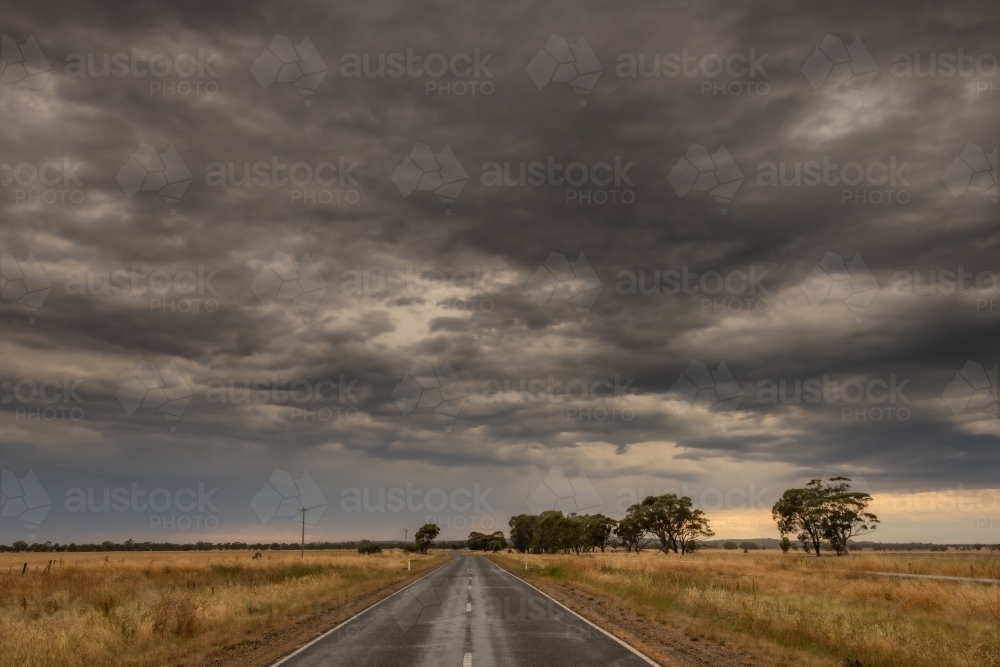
304	510
404	538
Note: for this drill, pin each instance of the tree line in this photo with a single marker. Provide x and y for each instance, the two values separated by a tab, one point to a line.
823	512
669	521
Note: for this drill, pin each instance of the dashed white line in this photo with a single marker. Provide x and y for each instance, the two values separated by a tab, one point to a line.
468	606
467	660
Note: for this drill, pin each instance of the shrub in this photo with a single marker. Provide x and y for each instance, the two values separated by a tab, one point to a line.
369	549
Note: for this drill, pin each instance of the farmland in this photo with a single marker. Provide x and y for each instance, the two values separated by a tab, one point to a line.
794	609
166	608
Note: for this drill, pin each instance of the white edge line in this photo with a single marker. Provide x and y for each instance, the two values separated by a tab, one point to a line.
329	632
588	622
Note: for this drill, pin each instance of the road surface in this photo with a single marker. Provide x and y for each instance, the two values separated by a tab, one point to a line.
467	613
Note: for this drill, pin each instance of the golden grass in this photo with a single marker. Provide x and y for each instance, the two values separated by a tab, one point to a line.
142	609
814	606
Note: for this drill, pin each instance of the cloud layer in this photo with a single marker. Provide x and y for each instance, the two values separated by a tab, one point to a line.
459	247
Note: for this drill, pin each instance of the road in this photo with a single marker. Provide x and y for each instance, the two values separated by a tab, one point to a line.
466	613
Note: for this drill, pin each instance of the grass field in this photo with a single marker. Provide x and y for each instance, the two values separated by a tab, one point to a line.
140	609
795	609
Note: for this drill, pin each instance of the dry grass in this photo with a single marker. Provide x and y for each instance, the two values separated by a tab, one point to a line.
145	609
819	607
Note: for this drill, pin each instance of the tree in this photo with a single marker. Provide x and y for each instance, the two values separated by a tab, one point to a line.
845	514
729	545
800	511
785	544
523	529
749	546
827	511
598	530
549	536
632	535
493	542
369	548
425	536
572	533
672	520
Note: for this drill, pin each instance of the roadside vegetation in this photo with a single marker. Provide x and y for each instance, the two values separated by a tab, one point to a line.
794	609
148	609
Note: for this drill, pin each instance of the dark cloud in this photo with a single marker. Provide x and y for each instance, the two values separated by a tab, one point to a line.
421	278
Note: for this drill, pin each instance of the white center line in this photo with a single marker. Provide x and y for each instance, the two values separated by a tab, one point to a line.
468	606
467	660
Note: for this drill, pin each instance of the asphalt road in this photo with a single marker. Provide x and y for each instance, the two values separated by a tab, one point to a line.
467	613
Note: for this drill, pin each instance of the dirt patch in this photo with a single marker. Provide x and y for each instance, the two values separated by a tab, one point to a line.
672	645
265	650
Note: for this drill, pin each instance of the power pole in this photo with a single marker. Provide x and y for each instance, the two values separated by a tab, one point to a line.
304	510
404	538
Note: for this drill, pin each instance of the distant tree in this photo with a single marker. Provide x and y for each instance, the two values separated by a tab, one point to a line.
598	530
493	542
631	534
523	529
845	514
572	533
369	548
825	511
425	536
730	545
785	544
673	520
549	536
749	546
800	511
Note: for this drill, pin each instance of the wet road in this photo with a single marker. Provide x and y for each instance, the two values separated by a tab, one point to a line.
468	612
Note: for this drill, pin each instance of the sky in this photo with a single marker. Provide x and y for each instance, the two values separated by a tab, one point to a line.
451	262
